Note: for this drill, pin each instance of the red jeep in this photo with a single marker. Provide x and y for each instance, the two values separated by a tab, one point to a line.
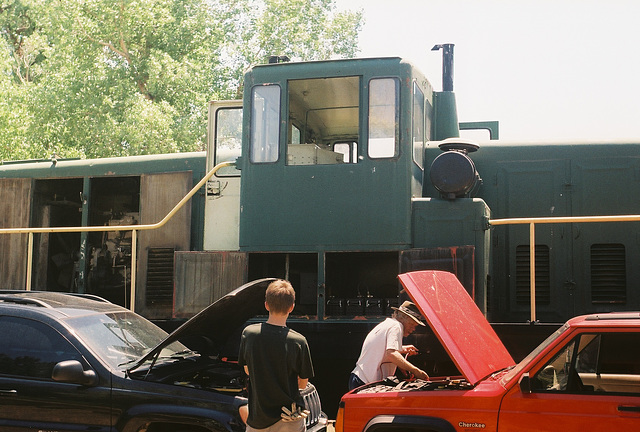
584	377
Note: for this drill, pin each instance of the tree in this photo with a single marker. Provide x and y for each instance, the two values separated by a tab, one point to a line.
26	46
95	78
300	29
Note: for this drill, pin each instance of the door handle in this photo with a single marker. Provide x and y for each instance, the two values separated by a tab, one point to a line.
627	408
8	392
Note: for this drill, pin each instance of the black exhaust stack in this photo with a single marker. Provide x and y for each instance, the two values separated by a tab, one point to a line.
447	65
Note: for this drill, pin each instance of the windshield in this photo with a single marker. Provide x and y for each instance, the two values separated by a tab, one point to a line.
516	370
120	338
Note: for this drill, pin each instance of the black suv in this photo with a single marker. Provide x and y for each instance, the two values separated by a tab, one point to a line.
71	362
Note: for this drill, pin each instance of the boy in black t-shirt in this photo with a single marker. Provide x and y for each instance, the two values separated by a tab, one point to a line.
278	363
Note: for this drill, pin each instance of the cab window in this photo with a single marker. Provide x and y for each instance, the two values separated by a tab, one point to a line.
265	123
228	139
418	125
349	151
324	119
383	118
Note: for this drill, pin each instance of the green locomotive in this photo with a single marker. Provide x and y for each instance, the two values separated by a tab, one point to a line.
348	172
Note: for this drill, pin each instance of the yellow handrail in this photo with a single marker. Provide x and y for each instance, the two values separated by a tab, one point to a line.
566	219
552	220
133	228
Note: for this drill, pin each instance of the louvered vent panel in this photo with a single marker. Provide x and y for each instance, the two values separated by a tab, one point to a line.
608	274
543	278
160	277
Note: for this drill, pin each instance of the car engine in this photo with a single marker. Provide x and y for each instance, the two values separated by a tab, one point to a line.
393	384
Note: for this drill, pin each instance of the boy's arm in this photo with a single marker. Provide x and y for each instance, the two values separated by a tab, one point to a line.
302	382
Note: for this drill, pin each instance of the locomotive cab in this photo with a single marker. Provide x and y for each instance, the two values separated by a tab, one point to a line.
333	186
331	182
332	154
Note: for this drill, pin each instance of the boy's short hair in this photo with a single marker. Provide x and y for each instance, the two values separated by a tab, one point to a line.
280	296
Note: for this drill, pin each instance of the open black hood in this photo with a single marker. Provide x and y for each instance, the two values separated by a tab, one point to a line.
218	321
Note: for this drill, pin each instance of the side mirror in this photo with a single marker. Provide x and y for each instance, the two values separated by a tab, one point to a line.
525	383
71	371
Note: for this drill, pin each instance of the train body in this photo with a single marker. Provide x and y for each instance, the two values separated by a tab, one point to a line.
348	173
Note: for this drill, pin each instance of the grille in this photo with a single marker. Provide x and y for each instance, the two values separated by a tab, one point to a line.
312	403
523	278
160	277
608	274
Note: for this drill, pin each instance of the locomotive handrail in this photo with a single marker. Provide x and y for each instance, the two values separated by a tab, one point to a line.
551	220
565	219
133	228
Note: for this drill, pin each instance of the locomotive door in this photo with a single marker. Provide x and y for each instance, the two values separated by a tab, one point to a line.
606	254
159	193
540	187
14	213
222	204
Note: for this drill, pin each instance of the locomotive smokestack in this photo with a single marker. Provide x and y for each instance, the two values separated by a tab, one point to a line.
447	65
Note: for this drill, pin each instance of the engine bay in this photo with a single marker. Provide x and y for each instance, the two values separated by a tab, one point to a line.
219	375
393	384
222	378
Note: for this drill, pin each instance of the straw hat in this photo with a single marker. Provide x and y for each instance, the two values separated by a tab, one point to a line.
411	310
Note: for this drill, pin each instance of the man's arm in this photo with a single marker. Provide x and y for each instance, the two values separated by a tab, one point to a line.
393	356
409	349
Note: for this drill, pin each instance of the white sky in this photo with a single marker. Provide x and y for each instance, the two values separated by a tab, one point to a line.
553	70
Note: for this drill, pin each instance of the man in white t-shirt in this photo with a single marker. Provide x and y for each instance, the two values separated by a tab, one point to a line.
382	350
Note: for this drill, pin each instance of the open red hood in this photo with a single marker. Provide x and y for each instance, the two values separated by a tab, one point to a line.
462	329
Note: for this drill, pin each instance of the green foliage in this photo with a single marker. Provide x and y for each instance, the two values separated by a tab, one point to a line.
97	78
